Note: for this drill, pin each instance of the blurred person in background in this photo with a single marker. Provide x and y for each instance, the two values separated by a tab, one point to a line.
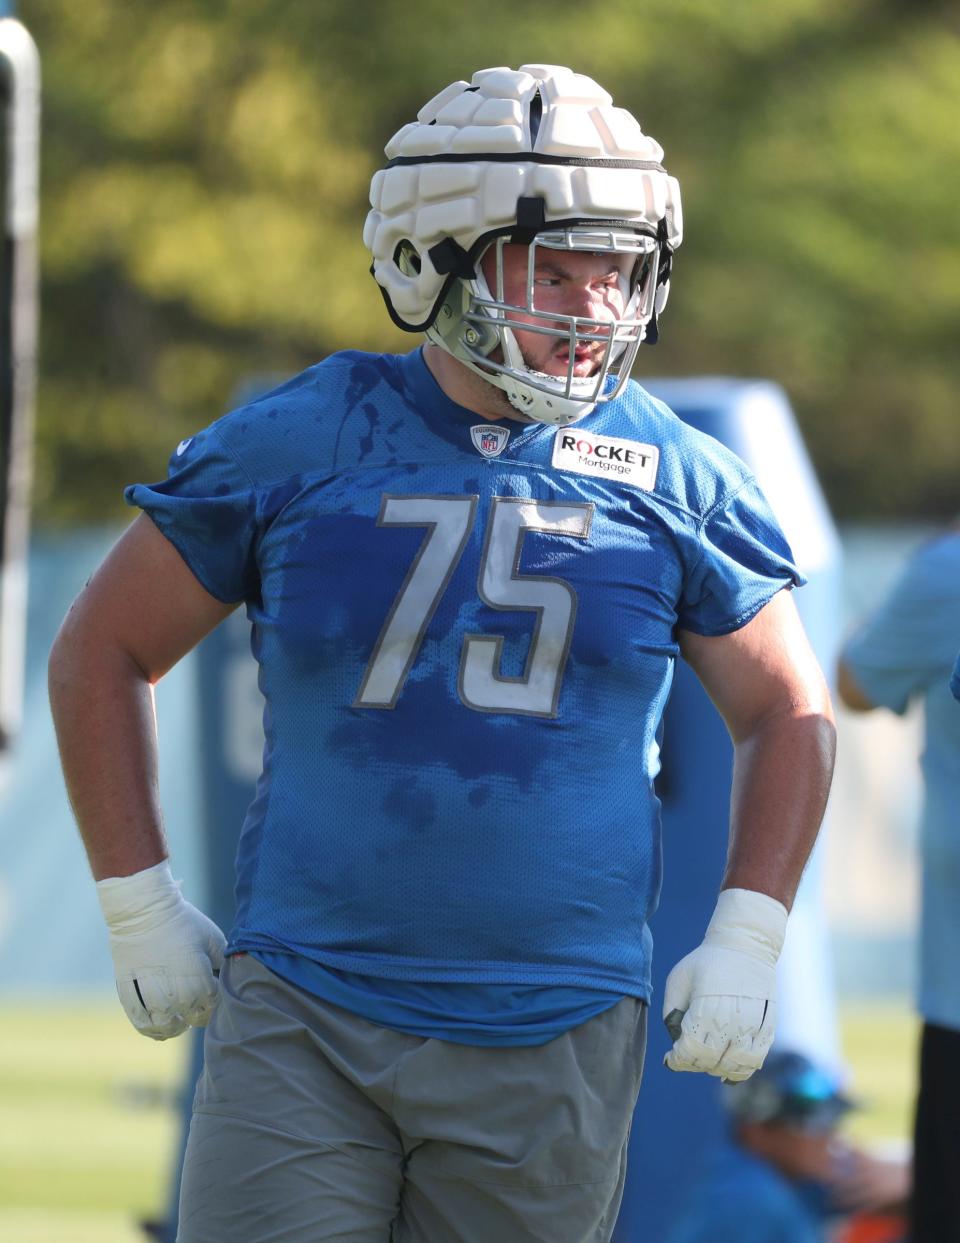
430	1020
905	653
785	1176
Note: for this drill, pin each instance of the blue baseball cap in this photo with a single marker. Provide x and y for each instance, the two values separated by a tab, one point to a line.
790	1090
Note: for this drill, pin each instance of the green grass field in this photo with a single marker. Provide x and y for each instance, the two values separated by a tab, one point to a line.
880	1043
88	1126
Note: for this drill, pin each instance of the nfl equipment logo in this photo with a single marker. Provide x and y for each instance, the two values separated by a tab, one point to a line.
489	440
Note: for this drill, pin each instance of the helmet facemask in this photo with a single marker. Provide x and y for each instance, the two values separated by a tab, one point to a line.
478	324
538	156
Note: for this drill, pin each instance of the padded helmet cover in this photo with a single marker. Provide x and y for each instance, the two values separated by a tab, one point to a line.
458	171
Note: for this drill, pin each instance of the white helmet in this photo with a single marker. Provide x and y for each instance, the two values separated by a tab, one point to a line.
538	156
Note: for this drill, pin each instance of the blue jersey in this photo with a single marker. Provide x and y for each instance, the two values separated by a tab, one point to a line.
466	635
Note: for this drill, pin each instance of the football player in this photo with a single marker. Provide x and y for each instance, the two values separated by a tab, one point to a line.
469	571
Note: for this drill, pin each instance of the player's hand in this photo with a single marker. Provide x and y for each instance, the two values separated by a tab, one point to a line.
861	1182
165	952
720	1001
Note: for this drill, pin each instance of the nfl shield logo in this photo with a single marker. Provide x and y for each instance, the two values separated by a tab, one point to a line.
488	439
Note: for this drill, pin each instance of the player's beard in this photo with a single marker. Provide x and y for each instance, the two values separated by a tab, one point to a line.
494	399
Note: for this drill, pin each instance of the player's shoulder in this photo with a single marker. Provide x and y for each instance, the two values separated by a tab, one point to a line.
309	420
695	472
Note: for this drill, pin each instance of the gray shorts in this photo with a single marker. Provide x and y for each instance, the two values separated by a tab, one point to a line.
311	1124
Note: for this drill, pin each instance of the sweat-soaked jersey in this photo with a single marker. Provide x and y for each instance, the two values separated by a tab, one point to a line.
466	634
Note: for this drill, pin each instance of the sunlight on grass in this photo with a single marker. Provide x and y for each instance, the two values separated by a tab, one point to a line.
40	1225
880	1040
87	1124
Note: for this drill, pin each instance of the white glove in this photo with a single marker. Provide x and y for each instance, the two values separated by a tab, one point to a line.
165	952
719	1003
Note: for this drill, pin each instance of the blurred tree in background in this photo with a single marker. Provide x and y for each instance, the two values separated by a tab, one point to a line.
205	171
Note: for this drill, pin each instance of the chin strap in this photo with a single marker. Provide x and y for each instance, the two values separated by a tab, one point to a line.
662	289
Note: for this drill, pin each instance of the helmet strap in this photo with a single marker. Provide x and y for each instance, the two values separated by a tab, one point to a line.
448	256
531	220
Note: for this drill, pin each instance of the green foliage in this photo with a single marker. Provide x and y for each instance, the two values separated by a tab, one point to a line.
205	171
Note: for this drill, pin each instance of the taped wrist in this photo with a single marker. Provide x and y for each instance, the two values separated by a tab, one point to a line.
750	922
139	902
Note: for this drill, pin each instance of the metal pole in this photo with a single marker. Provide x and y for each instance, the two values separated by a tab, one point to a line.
20	94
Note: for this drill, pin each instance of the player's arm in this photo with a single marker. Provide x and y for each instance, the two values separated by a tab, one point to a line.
137	616
767	685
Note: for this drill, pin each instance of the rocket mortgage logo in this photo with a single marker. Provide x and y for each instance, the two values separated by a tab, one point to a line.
628	461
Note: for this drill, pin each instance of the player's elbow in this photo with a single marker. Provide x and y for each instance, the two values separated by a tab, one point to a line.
800	696
824	727
818	703
799	716
811	716
84	655
63	656
814	707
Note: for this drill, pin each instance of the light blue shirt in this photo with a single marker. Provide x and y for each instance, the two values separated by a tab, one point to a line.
906	651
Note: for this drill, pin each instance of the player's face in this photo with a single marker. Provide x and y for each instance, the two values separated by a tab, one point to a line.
799	1154
581	283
